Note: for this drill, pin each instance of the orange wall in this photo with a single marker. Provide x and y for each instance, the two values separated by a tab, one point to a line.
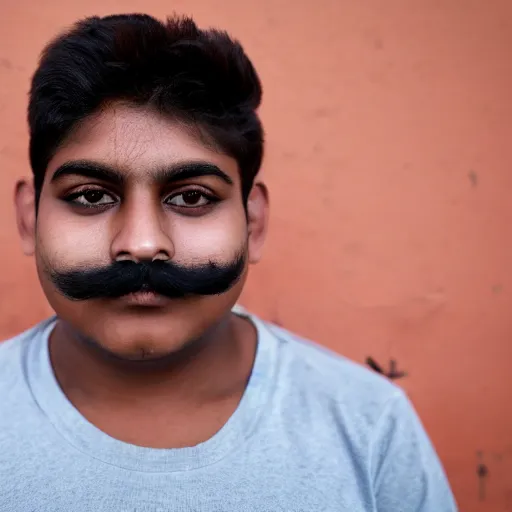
389	161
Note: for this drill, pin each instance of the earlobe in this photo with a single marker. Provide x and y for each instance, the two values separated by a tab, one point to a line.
24	201
257	214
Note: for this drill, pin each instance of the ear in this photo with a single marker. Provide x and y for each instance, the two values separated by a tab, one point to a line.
257	215
24	201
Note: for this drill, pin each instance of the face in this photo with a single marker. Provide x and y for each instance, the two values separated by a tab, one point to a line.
133	202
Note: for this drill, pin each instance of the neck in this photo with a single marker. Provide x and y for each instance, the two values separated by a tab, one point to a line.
207	370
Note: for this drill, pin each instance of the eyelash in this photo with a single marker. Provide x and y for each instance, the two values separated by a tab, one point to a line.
71	198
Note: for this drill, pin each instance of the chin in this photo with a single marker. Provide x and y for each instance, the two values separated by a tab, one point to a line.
138	351
144	333
142	339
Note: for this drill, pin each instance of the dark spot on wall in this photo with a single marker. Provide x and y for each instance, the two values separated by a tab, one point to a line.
272	22
482	473
391	373
473	178
317	147
378	43
482	470
353	248
5	63
323	112
277	321
289	155
497	289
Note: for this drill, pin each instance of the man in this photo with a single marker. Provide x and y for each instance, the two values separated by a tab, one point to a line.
146	392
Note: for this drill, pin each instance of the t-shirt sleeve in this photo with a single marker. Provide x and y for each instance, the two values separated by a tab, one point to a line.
406	471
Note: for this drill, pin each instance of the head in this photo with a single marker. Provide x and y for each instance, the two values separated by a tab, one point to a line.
143	212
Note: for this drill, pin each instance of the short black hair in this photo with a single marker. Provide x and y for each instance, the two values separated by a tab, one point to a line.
200	77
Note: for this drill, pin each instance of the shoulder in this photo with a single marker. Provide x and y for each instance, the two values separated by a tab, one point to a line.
328	395
336	402
13	372
12	349
11	356
345	406
332	377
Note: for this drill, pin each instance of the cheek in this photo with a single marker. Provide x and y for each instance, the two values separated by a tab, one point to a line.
218	237
67	240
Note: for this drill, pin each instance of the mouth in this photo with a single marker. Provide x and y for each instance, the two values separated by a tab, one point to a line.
145	299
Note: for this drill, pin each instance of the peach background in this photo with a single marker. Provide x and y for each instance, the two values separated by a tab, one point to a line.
389	153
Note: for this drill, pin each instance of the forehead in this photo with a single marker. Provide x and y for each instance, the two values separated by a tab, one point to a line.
137	140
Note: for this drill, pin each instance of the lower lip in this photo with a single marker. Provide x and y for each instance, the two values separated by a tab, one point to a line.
148	299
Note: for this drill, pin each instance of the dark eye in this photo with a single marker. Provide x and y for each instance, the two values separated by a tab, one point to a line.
189	199
92	197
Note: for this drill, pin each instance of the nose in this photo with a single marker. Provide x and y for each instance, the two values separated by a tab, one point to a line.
141	233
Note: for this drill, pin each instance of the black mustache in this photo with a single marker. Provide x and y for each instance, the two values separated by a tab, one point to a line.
165	278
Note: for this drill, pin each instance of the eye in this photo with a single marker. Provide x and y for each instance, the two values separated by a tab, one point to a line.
91	198
190	199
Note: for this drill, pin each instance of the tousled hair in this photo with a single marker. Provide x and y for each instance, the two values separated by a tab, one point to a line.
200	77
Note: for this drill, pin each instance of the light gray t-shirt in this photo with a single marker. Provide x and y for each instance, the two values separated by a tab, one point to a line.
313	433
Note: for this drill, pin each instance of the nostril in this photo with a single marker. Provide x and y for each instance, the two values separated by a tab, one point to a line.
126	256
161	256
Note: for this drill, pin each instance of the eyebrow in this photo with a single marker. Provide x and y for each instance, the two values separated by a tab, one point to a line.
177	172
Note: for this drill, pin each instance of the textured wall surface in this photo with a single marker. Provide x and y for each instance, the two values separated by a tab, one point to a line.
389	162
